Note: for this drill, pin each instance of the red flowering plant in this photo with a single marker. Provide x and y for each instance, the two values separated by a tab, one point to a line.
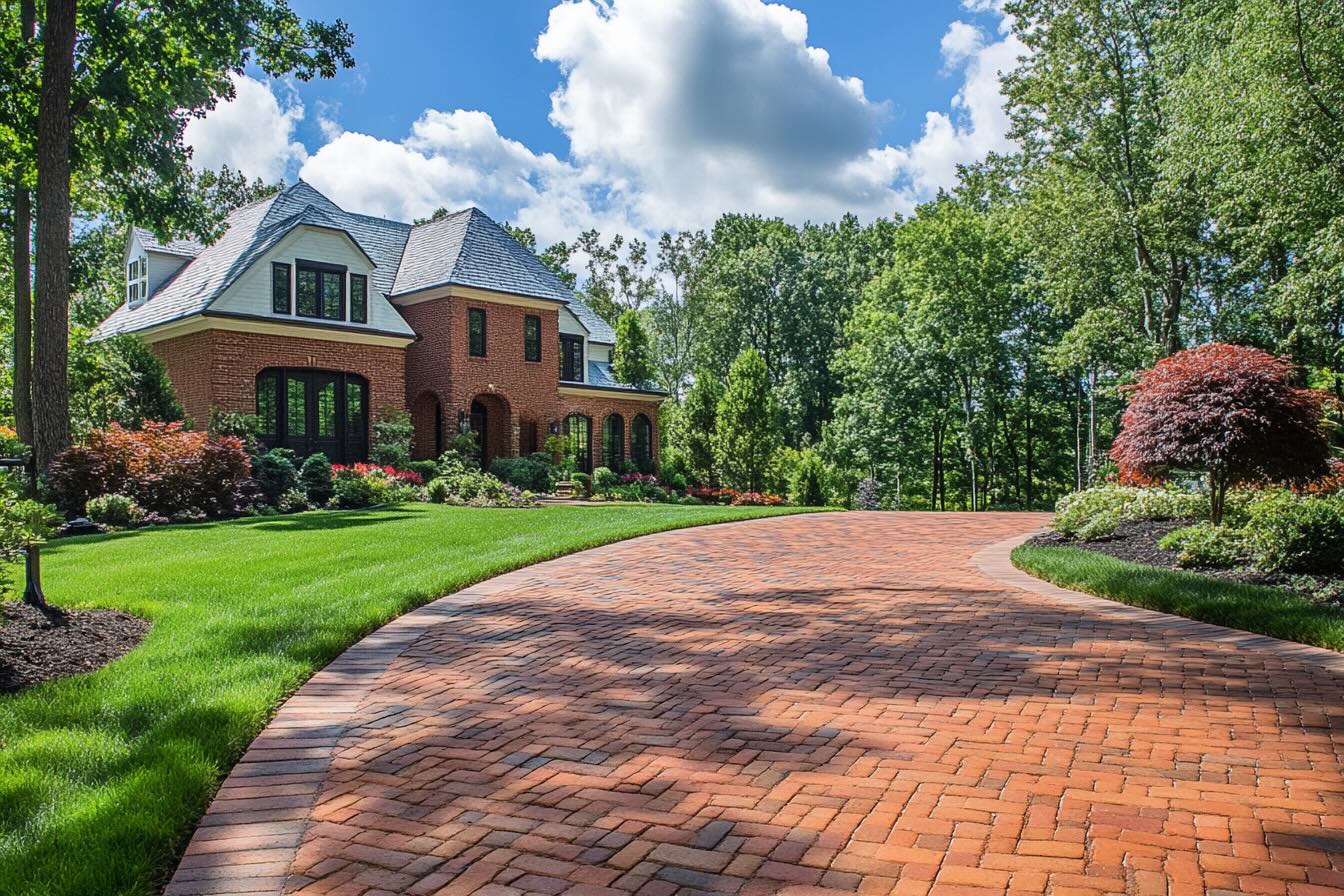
756	499
1228	411
712	495
410	477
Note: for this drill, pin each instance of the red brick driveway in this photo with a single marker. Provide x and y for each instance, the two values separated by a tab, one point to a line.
836	703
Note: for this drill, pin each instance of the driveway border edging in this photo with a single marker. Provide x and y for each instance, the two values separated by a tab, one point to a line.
995	562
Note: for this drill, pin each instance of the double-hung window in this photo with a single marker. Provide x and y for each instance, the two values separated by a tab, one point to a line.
531	338
319	290
280	288
476	332
571	358
359	299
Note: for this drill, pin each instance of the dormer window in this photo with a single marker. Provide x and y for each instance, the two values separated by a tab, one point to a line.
137	281
319	290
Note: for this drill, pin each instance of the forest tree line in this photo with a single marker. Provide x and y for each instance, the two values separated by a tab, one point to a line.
1179	178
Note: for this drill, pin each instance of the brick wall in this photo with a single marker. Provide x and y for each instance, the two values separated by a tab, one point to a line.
218	368
521	391
598	409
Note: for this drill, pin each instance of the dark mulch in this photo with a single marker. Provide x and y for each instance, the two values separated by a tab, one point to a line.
1136	541
38	645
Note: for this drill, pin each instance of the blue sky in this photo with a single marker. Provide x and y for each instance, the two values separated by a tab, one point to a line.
639	115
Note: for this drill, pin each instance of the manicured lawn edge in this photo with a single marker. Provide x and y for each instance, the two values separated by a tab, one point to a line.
103	776
1250	608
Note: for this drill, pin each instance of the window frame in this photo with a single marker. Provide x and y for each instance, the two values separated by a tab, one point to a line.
320	268
584	461
350	294
644	462
276	267
351	442
472	314
531	339
616	462
137	281
567	339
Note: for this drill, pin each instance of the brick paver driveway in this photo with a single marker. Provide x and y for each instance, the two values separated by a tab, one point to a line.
801	705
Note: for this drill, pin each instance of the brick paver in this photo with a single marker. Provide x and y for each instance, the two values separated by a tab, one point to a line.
819	704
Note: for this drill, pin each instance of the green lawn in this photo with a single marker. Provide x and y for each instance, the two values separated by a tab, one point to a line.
1265	611
103	776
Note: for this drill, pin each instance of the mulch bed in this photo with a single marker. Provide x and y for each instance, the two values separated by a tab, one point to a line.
1136	541
38	645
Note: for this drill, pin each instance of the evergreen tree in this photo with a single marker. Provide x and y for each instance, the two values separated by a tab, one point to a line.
747	435
632	359
700	419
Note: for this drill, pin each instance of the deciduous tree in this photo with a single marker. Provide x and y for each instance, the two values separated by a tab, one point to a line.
1228	411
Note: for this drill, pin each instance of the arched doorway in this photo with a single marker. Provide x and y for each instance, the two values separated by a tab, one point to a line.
489	418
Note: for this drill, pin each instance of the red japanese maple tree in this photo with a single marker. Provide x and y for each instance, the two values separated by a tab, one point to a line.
1228	411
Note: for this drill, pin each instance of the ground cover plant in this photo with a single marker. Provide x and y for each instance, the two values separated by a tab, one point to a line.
102	776
1267	611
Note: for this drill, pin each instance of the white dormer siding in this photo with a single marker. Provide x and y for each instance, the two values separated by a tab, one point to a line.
146	270
331	251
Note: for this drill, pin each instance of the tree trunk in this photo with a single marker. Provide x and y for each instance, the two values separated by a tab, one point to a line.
23	275
51	331
1078	433
1092	426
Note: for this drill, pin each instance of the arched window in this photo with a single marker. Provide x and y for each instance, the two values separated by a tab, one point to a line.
613	442
641	442
580	431
314	410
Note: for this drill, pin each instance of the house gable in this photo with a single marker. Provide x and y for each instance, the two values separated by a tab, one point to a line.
250	294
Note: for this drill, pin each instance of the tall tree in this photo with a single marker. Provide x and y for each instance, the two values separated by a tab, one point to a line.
51	322
101	118
632	358
747	433
21	251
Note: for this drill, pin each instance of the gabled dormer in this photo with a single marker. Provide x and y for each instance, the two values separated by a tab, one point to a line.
149	263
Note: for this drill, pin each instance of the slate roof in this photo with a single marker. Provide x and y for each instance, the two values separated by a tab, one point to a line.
186	247
465	248
600	375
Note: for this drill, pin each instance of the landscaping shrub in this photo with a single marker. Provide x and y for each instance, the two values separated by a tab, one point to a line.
869	495
533	472
316	479
392	434
1288	533
275	474
437	490
604	480
459	484
1098	511
366	485
465	449
246	427
162	466
425	469
805	485
293	501
676	469
583	483
1206	545
117	511
756	499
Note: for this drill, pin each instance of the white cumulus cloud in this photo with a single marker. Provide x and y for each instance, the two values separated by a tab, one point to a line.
252	133
676	111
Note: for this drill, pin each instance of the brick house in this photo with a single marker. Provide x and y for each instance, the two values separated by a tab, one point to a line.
318	320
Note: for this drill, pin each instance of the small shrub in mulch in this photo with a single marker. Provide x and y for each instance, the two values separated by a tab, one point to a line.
39	645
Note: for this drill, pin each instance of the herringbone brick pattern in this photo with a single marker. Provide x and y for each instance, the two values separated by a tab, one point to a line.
839	703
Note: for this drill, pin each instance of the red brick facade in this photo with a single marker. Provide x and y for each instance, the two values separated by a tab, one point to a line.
435	379
218	368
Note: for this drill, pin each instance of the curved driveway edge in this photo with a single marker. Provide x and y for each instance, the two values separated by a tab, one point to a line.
244	844
996	563
817	704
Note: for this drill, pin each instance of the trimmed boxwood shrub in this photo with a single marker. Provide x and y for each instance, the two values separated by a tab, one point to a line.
117	511
533	472
316	478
